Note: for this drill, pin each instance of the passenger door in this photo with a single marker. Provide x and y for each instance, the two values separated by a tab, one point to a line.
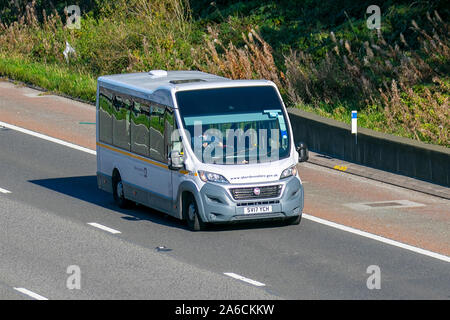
160	177
140	139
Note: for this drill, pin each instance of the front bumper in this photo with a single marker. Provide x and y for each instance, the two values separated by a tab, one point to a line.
219	206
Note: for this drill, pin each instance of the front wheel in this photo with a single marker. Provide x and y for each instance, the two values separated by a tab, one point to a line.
192	217
118	193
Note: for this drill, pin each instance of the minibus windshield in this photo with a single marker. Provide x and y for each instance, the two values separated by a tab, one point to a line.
235	125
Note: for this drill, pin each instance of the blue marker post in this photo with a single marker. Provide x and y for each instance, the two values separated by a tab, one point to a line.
355	125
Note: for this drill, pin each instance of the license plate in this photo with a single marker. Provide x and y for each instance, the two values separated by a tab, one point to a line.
256	210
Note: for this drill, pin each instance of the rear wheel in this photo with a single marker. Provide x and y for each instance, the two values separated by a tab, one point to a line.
118	192
191	215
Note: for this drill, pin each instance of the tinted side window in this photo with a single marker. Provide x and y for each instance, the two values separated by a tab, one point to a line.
140	128
157	132
121	124
105	115
169	127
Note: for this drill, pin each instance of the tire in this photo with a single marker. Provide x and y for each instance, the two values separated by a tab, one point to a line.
294	220
194	222
118	194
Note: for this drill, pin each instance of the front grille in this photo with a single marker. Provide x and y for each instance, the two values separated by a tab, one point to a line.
248	192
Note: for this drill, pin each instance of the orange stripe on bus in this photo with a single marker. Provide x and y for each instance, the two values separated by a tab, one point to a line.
138	157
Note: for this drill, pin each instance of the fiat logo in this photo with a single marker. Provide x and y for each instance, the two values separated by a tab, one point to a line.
256	191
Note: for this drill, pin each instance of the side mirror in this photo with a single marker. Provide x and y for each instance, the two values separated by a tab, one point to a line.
175	161
303	154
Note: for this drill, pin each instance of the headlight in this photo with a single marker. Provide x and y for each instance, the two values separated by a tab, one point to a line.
291	171
212	177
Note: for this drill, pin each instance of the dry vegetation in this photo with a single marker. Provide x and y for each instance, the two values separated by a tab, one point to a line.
132	35
253	61
400	90
390	78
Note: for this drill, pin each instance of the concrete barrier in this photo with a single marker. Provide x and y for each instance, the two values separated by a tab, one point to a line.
374	149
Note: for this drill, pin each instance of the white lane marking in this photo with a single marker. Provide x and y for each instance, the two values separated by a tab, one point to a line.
31	294
238	277
4	191
51	139
377	238
97	225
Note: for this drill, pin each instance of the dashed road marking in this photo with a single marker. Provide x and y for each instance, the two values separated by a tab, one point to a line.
100	226
4	191
238	277
378	238
31	294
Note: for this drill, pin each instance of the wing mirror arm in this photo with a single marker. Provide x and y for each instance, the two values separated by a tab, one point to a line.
303	153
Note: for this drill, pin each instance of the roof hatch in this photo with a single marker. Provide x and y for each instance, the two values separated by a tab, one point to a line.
158	73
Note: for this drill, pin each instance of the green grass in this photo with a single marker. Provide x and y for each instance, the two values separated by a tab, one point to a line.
369	118
55	78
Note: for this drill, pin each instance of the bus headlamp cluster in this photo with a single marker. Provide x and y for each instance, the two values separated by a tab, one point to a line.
291	171
206	176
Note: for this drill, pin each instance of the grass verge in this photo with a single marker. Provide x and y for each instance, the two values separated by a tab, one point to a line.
55	78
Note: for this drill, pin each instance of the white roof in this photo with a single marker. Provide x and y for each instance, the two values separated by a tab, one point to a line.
177	80
157	85
150	81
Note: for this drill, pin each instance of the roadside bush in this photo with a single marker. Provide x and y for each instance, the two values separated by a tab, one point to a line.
128	36
253	61
391	76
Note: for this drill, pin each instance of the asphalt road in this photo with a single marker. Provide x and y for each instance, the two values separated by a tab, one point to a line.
53	196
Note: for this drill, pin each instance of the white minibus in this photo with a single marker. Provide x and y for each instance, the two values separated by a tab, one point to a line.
199	147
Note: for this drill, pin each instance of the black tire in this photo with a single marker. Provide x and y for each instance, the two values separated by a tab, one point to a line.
294	220
118	194
191	215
